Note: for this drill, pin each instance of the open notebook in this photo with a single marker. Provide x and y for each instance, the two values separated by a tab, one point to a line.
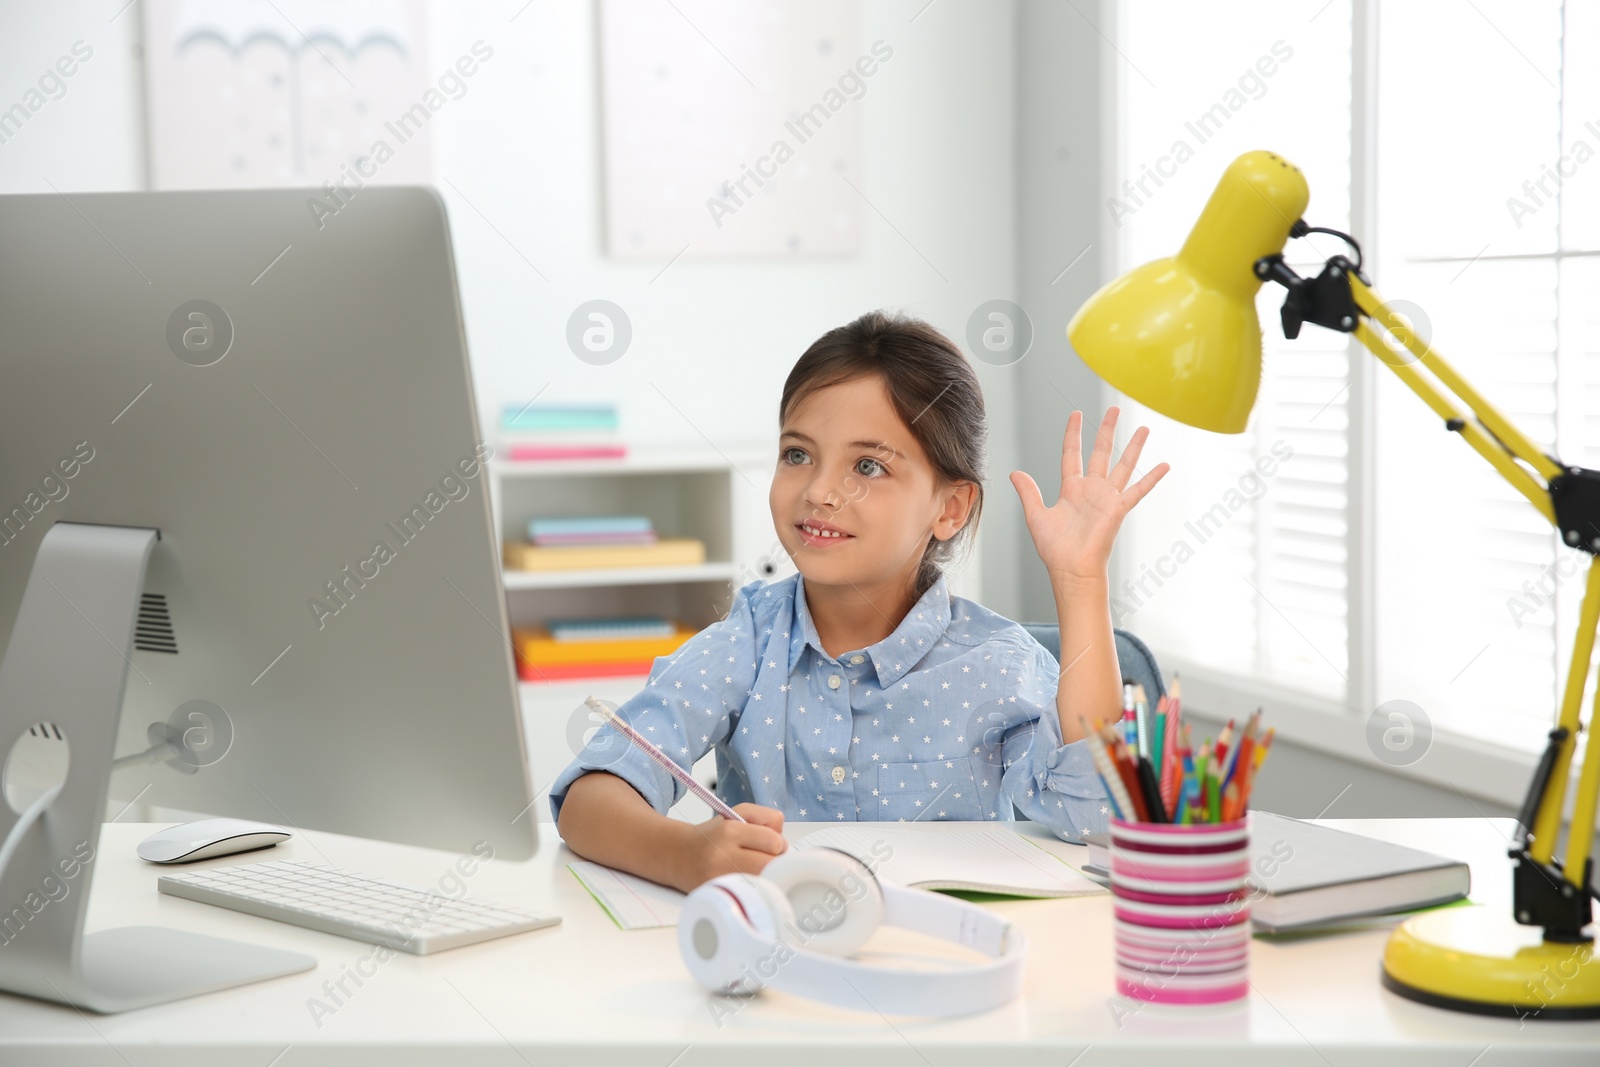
986	860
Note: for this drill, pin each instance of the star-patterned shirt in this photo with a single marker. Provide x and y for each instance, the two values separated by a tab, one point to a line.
952	716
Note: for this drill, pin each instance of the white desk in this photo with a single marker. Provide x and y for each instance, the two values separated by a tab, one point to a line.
588	992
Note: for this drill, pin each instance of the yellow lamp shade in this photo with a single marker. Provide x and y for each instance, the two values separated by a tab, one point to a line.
1180	335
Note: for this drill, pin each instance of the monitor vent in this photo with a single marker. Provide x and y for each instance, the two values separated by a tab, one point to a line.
153	632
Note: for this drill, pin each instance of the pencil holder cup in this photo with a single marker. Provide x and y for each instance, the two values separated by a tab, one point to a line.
1182	911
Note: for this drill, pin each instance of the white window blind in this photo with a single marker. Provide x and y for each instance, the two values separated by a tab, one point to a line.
1481	203
1237	561
1487	233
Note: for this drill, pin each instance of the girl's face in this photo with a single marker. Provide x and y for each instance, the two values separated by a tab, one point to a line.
855	498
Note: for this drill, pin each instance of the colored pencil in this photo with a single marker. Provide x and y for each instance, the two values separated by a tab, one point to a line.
1151	771
1125	771
1141	721
1230	802
1244	755
1233	756
1108	772
1266	743
1185	761
1129	724
1152	791
1158	745
1171	769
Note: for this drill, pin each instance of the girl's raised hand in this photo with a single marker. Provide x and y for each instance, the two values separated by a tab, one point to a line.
1074	535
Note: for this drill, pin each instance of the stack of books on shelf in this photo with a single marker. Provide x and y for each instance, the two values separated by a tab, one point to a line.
595	648
599	541
553	432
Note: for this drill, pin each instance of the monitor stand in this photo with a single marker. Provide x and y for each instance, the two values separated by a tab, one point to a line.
67	664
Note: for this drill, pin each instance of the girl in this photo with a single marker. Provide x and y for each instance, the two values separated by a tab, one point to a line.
859	688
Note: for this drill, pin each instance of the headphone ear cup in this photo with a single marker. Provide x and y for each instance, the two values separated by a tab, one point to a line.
728	930
835	902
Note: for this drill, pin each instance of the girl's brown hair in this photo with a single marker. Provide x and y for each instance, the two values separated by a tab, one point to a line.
933	390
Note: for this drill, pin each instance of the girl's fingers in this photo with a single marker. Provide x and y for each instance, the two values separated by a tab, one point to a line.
1072	448
1104	441
760	839
1137	491
1028	491
1130	458
760	815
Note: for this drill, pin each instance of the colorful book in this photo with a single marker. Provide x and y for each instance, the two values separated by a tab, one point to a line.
596	539
537	646
589	524
613	629
671	552
552	453
564	672
559	417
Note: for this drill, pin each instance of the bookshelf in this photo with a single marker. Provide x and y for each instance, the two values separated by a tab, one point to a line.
718	497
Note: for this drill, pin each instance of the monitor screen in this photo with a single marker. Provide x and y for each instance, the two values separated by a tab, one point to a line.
284	394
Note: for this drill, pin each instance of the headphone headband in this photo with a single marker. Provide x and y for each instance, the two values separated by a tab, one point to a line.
737	934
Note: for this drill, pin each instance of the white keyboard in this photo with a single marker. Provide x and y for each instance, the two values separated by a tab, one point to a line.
406	918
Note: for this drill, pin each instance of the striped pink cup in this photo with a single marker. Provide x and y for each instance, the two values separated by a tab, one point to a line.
1182	911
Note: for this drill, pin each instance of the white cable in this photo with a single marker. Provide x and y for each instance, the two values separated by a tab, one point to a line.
26	820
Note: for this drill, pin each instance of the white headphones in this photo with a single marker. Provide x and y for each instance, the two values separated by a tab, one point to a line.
789	926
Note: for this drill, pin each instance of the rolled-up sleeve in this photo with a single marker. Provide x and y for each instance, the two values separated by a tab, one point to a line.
1051	783
691	702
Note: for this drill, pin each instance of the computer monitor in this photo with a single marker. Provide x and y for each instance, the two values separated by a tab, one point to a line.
276	381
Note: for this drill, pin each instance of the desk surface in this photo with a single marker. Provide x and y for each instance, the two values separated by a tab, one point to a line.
625	997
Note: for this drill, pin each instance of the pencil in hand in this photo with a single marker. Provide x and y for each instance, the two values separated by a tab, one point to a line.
664	761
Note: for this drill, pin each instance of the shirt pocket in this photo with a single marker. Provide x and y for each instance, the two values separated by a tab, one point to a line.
931	790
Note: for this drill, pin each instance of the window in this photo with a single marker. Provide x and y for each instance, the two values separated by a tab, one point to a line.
1465	568
1486	232
1238	563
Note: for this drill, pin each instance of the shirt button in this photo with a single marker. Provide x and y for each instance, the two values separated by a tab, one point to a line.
833	681
838	775
855	661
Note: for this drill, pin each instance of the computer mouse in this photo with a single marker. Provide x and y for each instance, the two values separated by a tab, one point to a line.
208	839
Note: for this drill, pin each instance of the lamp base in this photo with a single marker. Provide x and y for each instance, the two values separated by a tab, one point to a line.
1480	960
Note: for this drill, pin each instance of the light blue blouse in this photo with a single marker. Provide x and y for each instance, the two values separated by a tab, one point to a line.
952	716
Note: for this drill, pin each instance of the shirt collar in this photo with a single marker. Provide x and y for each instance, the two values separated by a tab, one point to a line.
896	654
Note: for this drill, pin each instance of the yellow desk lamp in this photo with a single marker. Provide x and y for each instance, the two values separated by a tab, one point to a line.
1180	335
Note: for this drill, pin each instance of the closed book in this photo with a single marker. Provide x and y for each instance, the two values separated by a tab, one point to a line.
559	417
564	672
553	453
673	552
589	524
545	540
1306	875
611	629
537	646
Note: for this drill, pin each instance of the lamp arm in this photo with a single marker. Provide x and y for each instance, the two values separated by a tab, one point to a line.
1513	439
1473	431
1556	897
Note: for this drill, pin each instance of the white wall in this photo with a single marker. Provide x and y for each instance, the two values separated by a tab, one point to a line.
714	340
523	149
1059	249
93	136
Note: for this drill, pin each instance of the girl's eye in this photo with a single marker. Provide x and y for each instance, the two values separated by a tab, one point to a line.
868	467
795	456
